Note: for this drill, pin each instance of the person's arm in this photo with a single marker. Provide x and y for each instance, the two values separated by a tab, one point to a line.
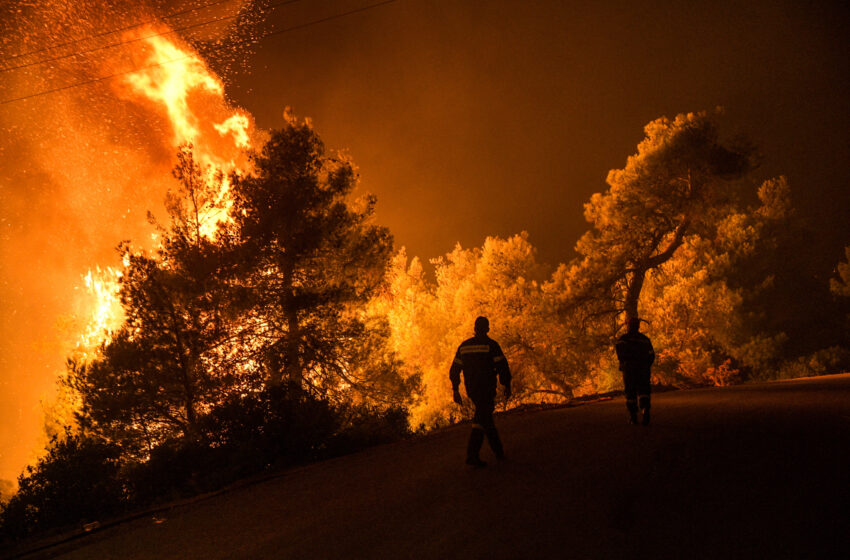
651	355
619	348
454	377
500	362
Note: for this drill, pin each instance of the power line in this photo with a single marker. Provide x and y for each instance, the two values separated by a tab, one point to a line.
329	18
136	40
125	28
278	32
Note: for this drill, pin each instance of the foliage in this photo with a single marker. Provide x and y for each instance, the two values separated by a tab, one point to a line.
835	359
670	236
669	239
171	359
281	330
186	394
679	182
226	306
841	286
75	482
429	319
698	305
305	258
7	490
251	433
242	435
85	479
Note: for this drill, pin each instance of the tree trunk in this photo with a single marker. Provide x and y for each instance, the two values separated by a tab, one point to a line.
292	356
634	285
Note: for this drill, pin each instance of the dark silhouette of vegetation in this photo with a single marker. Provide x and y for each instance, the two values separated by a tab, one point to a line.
306	257
84	479
77	481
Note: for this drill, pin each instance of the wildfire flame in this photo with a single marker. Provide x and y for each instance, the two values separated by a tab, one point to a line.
91	145
179	85
102	285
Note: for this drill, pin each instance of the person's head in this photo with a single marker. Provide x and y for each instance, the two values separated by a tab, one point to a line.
482	326
633	324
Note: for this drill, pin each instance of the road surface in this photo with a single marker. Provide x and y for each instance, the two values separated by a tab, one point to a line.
758	471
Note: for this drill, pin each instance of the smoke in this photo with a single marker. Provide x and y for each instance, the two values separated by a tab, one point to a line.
79	170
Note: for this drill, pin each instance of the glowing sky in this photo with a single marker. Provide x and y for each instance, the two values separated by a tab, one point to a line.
478	118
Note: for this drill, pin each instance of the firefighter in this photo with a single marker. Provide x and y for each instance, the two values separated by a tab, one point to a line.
635	353
481	360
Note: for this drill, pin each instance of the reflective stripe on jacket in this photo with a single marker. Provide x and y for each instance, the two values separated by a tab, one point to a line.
481	360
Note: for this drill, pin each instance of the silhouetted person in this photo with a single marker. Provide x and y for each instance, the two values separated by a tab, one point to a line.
481	360
635	353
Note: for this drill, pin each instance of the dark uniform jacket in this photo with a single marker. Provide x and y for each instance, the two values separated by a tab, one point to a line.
481	360
635	352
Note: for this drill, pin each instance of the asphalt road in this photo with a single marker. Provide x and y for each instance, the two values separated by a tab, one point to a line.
758	471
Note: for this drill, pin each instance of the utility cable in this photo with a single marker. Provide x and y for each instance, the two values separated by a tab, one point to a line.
329	18
136	40
278	32
118	30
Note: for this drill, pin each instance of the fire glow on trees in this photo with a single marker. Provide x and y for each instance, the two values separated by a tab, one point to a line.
102	155
174	99
179	85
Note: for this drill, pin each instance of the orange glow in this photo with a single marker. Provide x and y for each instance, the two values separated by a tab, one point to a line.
191	98
106	314
179	83
171	75
238	126
102	157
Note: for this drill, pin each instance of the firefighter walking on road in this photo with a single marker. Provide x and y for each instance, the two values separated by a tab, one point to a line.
482	361
635	353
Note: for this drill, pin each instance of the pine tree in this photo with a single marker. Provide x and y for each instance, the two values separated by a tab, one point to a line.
681	181
171	360
306	256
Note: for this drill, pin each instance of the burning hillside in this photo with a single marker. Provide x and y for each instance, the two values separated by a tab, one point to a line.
84	165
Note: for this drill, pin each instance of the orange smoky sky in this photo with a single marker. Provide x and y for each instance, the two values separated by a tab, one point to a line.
80	169
466	119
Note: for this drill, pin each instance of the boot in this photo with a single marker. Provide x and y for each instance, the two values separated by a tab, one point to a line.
632	407
476	438
495	443
643	401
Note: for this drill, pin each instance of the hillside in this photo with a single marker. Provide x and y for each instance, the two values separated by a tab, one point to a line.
757	471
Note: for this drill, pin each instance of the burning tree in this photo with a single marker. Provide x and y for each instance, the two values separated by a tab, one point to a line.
172	359
236	300
305	258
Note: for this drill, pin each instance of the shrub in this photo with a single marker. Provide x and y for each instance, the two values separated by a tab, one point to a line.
242	436
366	425
78	480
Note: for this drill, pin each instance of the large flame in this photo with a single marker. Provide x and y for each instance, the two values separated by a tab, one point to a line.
102	286
180	84
182	89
